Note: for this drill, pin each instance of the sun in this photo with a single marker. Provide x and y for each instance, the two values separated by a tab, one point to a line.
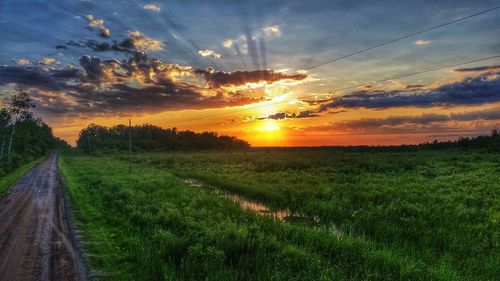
269	126
266	133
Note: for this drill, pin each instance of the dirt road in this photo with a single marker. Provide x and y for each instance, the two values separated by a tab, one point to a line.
36	241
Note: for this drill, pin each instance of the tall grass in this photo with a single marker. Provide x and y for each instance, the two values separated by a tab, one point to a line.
148	225
441	208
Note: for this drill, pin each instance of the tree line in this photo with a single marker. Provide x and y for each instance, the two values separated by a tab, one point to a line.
487	143
23	138
146	137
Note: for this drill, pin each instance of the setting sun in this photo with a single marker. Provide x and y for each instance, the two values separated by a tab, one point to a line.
269	126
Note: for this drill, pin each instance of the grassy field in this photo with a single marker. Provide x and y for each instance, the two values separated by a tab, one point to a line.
398	216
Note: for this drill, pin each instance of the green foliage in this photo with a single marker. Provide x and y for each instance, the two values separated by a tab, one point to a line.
10	179
23	138
152	138
438	207
404	216
32	139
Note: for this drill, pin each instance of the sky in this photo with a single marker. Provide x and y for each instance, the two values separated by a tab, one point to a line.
255	69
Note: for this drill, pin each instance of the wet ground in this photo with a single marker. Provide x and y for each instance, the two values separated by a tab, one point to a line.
36	238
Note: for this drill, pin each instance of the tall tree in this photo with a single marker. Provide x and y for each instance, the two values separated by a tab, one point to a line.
5	119
20	106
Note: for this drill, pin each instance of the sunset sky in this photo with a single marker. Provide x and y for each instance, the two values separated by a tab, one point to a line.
248	68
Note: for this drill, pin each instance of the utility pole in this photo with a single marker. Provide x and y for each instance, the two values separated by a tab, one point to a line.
88	142
129	146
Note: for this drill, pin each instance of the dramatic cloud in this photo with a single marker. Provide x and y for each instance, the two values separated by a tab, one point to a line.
422	42
236	78
471	91
424	122
211	53
152	7
107	87
136	85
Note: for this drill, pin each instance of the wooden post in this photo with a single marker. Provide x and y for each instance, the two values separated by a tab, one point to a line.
88	142
129	146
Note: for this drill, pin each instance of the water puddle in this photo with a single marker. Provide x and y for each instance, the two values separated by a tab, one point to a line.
256	207
262	209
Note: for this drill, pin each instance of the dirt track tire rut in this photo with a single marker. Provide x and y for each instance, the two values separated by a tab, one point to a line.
36	241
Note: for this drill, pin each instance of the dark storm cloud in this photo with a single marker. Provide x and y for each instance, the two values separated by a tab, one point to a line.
471	91
220	79
134	42
122	99
47	79
68	90
97	46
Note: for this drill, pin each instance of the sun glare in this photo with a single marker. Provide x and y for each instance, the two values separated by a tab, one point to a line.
269	126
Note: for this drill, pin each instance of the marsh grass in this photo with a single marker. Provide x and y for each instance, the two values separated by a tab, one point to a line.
407	216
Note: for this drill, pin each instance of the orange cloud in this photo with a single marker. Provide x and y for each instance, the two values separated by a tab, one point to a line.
47	61
21	61
143	43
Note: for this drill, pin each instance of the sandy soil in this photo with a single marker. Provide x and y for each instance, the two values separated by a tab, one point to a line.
36	239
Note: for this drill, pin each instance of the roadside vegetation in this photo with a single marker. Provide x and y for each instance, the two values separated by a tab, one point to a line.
426	215
7	181
23	138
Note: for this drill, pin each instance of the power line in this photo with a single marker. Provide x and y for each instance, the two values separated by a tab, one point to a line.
403	37
417	73
368	49
347	88
371	48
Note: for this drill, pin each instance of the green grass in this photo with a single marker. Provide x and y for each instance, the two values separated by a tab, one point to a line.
6	182
407	216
